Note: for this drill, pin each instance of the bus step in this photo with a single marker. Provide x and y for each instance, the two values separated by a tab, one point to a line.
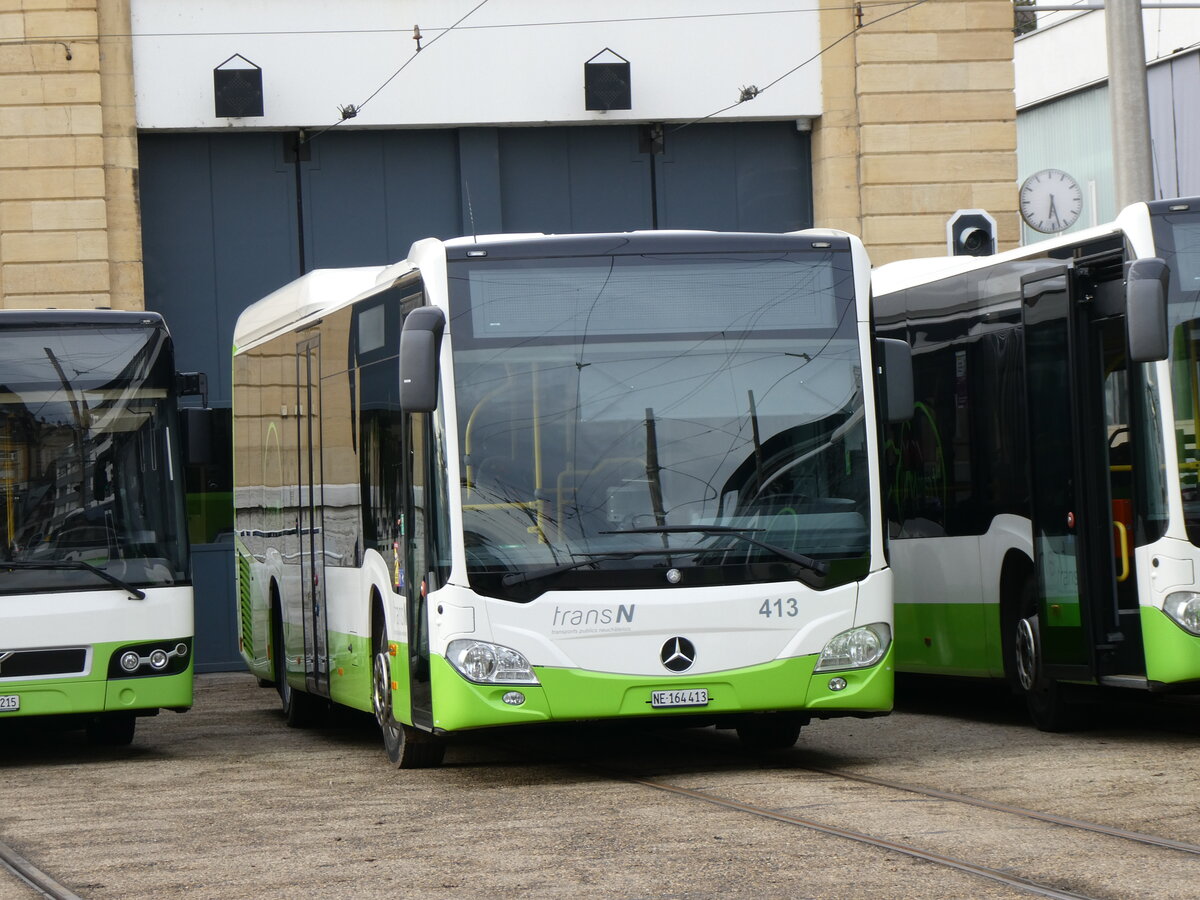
1139	682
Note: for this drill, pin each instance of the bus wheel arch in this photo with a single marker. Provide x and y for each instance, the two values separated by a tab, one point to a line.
406	746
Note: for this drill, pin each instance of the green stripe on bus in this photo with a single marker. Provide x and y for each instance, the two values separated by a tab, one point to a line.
93	692
949	639
1172	654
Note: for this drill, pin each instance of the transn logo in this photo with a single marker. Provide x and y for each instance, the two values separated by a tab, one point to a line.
602	615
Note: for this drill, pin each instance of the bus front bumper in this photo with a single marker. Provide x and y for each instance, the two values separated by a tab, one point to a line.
566	695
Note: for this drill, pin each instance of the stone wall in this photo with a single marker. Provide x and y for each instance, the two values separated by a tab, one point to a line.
919	121
69	233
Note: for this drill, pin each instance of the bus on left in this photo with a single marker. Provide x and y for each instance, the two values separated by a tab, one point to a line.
96	617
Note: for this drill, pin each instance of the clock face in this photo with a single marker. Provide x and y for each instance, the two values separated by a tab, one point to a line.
1051	201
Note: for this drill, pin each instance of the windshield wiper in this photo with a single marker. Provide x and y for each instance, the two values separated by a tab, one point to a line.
77	564
513	579
814	565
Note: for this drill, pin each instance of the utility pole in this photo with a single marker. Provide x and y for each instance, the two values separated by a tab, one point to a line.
1133	166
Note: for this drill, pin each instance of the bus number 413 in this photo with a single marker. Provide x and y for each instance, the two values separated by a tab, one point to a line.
788	607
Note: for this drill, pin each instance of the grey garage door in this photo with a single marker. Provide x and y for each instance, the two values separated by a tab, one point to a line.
228	218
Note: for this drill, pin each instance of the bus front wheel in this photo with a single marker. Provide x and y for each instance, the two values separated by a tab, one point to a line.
407	747
112	729
770	732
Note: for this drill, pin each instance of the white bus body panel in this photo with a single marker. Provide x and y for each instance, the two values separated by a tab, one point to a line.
623	632
94	617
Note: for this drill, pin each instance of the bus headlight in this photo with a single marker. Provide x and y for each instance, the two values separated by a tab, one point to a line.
857	648
486	663
1184	608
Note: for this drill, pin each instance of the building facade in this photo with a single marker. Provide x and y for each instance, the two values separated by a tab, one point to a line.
911	116
137	171
1064	121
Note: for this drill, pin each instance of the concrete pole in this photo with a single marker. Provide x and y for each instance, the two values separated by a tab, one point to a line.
1133	166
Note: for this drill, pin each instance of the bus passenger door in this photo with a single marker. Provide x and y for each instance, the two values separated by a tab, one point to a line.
1066	360
416	535
310	515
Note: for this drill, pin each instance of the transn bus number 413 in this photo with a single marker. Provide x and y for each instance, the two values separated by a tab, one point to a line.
788	607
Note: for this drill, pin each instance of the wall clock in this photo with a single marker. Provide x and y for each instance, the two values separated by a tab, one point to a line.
1050	201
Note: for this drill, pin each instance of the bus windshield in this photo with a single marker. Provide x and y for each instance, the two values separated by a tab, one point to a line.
628	417
87	493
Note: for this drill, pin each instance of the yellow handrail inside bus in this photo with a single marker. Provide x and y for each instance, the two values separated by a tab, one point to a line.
1124	534
469	467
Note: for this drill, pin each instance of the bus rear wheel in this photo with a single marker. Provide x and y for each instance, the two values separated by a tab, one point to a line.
407	747
300	709
1047	700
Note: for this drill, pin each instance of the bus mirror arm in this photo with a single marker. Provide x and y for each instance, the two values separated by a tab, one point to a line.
197	435
420	343
1146	309
894	357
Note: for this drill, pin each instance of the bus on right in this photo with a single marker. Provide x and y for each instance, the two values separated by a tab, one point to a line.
1044	500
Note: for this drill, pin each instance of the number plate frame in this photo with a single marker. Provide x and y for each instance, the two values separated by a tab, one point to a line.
675	699
10	702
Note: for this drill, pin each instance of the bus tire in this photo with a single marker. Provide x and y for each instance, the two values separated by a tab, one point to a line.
112	729
1048	701
300	709
407	747
770	732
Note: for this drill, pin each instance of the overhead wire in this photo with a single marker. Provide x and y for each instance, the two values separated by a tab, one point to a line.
349	112
498	25
750	92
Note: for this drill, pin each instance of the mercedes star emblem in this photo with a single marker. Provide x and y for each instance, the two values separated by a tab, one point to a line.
678	654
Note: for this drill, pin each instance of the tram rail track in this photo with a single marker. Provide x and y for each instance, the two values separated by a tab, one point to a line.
1000	875
1065	821
34	877
992	874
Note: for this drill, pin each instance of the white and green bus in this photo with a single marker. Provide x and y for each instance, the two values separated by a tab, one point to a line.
1044	500
96	619
527	478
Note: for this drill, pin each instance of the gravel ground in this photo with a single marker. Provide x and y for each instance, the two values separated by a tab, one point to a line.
225	801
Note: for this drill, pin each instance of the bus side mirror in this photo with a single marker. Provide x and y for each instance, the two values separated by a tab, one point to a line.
420	342
197	441
192	384
1146	309
895	358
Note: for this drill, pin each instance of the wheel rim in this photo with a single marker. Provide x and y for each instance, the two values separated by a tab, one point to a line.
1026	654
285	692
381	699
